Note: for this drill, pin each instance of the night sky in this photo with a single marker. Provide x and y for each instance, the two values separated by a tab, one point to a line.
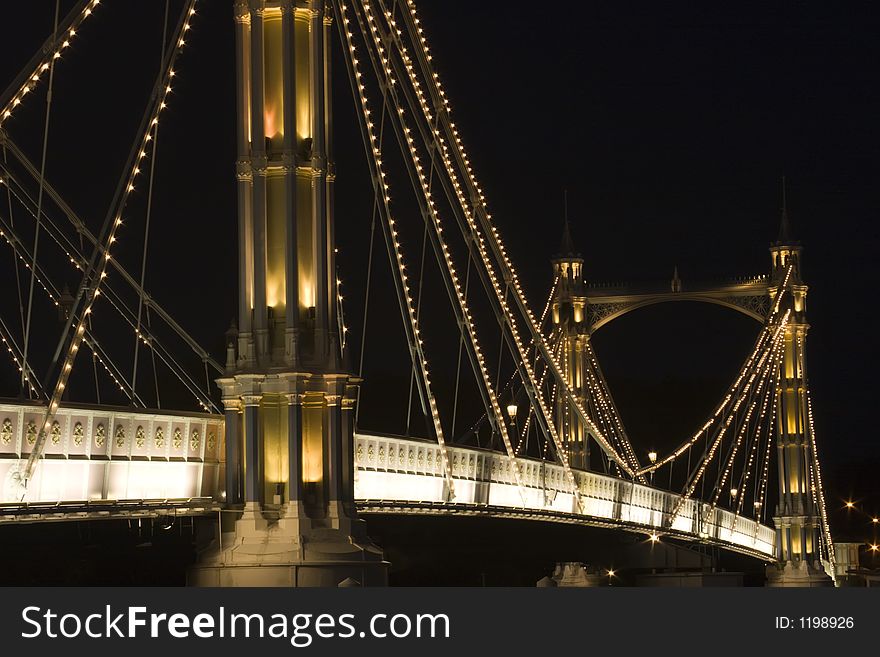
670	126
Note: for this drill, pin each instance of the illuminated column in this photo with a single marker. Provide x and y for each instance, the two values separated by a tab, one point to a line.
321	243
569	316
329	178
295	455
253	471
244	176
259	166
796	518
347	451
291	320
296	428
233	450
333	460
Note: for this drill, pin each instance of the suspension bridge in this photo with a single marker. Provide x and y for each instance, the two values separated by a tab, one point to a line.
279	453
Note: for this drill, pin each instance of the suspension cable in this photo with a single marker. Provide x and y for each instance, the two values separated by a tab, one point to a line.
97	269
121	307
43	59
374	155
153	155
27	325
84	231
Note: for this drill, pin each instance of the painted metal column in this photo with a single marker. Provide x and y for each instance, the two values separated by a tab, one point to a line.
294	449
330	177
319	172
259	164
233	450
253	467
333	454
244	176
347	449
291	319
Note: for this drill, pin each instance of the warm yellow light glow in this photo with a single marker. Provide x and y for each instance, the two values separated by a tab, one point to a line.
652	456
270	124
313	439
511	410
850	505
306	292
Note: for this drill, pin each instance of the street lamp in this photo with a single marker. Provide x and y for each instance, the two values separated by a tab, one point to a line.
511	411
611	574
652	457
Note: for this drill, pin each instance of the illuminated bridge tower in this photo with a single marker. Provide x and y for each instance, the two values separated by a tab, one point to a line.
572	328
797	517
288	398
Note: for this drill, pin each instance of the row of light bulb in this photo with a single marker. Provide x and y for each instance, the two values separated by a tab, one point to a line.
761	394
479	240
477	202
771	391
707	459
79	265
94	291
746	369
826	529
52	52
53	298
413	333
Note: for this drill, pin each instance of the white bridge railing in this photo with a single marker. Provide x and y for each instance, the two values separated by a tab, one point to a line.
95	454
390	469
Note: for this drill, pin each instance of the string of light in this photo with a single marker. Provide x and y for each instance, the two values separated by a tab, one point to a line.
413	333
479	242
51	53
92	286
478	204
146	336
707	459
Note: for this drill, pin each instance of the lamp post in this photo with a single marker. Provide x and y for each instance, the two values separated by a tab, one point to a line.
652	457
511	412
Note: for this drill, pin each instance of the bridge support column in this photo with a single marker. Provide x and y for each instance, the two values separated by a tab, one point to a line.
297	434
253	489
233	451
797	516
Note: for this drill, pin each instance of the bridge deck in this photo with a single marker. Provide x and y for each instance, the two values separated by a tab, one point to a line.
110	462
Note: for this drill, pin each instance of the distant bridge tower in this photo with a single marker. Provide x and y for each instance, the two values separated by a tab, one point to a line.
288	399
797	518
572	326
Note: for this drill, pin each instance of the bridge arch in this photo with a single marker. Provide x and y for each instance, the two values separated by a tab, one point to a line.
619	310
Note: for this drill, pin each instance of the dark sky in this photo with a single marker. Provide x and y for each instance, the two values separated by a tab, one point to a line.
669	124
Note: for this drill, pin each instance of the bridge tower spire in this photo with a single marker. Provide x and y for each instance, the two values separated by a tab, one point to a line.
570	321
289	401
797	518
